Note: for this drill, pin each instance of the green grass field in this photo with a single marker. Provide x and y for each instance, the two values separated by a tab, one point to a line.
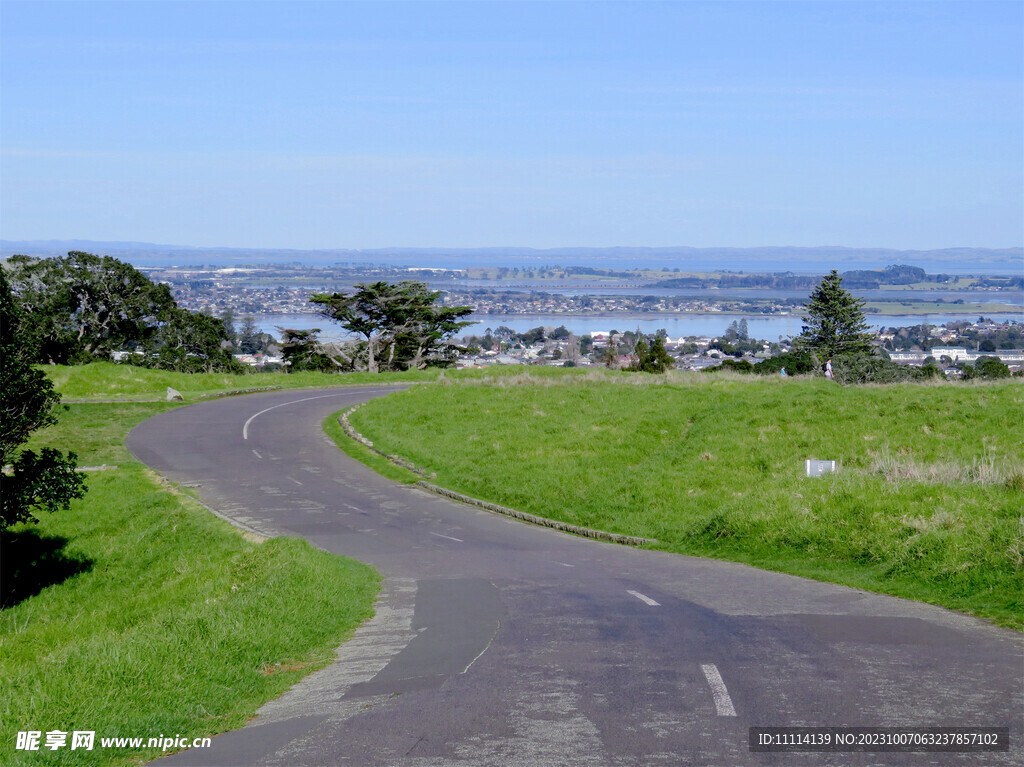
104	381
154	617
928	503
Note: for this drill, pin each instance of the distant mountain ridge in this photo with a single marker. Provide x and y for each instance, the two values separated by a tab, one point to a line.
768	258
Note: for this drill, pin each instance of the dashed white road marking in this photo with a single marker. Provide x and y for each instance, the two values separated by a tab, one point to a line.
256	453
644	598
566	564
457	540
723	703
295	480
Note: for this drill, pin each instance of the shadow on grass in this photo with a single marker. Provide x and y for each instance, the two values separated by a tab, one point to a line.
29	562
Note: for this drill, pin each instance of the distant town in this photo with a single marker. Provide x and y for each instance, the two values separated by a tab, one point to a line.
255	291
284	289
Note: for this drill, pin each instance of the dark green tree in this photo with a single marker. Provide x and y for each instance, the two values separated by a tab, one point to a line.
739	366
834	324
302	351
191	342
250	339
986	367
796	363
653	358
81	307
35	481
403	325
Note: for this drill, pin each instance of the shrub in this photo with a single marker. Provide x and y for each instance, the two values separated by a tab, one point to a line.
990	367
796	363
864	368
740	366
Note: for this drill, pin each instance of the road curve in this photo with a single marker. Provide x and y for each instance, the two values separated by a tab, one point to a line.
499	643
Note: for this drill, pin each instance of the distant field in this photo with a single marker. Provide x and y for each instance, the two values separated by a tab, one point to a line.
969	308
928	504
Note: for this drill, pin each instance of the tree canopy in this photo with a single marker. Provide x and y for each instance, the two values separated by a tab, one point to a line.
302	351
35	481
402	325
653	358
834	324
82	307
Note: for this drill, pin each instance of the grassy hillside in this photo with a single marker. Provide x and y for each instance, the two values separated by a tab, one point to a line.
109	381
928	503
138	613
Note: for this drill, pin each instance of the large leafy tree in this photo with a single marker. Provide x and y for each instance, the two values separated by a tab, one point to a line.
834	324
29	481
402	324
190	342
80	306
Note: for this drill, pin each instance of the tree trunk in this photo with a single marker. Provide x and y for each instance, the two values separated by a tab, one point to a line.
371	363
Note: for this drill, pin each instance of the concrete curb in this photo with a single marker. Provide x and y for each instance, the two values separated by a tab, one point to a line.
533	519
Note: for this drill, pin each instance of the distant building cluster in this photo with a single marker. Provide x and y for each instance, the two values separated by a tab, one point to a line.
697	353
285	290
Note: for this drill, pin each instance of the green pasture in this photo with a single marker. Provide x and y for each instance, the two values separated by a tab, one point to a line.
928	502
970	309
139	613
107	381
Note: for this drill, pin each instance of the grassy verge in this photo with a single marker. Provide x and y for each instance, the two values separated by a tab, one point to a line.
109	381
929	502
353	449
153	617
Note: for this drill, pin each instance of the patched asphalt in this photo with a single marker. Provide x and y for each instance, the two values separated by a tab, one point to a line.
500	643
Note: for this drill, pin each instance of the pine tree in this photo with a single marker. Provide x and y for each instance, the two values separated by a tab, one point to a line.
834	323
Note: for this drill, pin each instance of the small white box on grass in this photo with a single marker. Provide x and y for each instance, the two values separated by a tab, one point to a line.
818	468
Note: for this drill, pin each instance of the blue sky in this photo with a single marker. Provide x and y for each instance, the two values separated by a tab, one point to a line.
352	125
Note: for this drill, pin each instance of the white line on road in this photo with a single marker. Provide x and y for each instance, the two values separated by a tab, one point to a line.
256	453
245	426
644	598
565	564
457	540
723	703
295	480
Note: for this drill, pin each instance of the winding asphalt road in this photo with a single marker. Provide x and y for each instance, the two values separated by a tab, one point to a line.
499	643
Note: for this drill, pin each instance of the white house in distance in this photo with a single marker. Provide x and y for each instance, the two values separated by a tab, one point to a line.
958	354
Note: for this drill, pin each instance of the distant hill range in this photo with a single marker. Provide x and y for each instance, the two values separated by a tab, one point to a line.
1009	261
